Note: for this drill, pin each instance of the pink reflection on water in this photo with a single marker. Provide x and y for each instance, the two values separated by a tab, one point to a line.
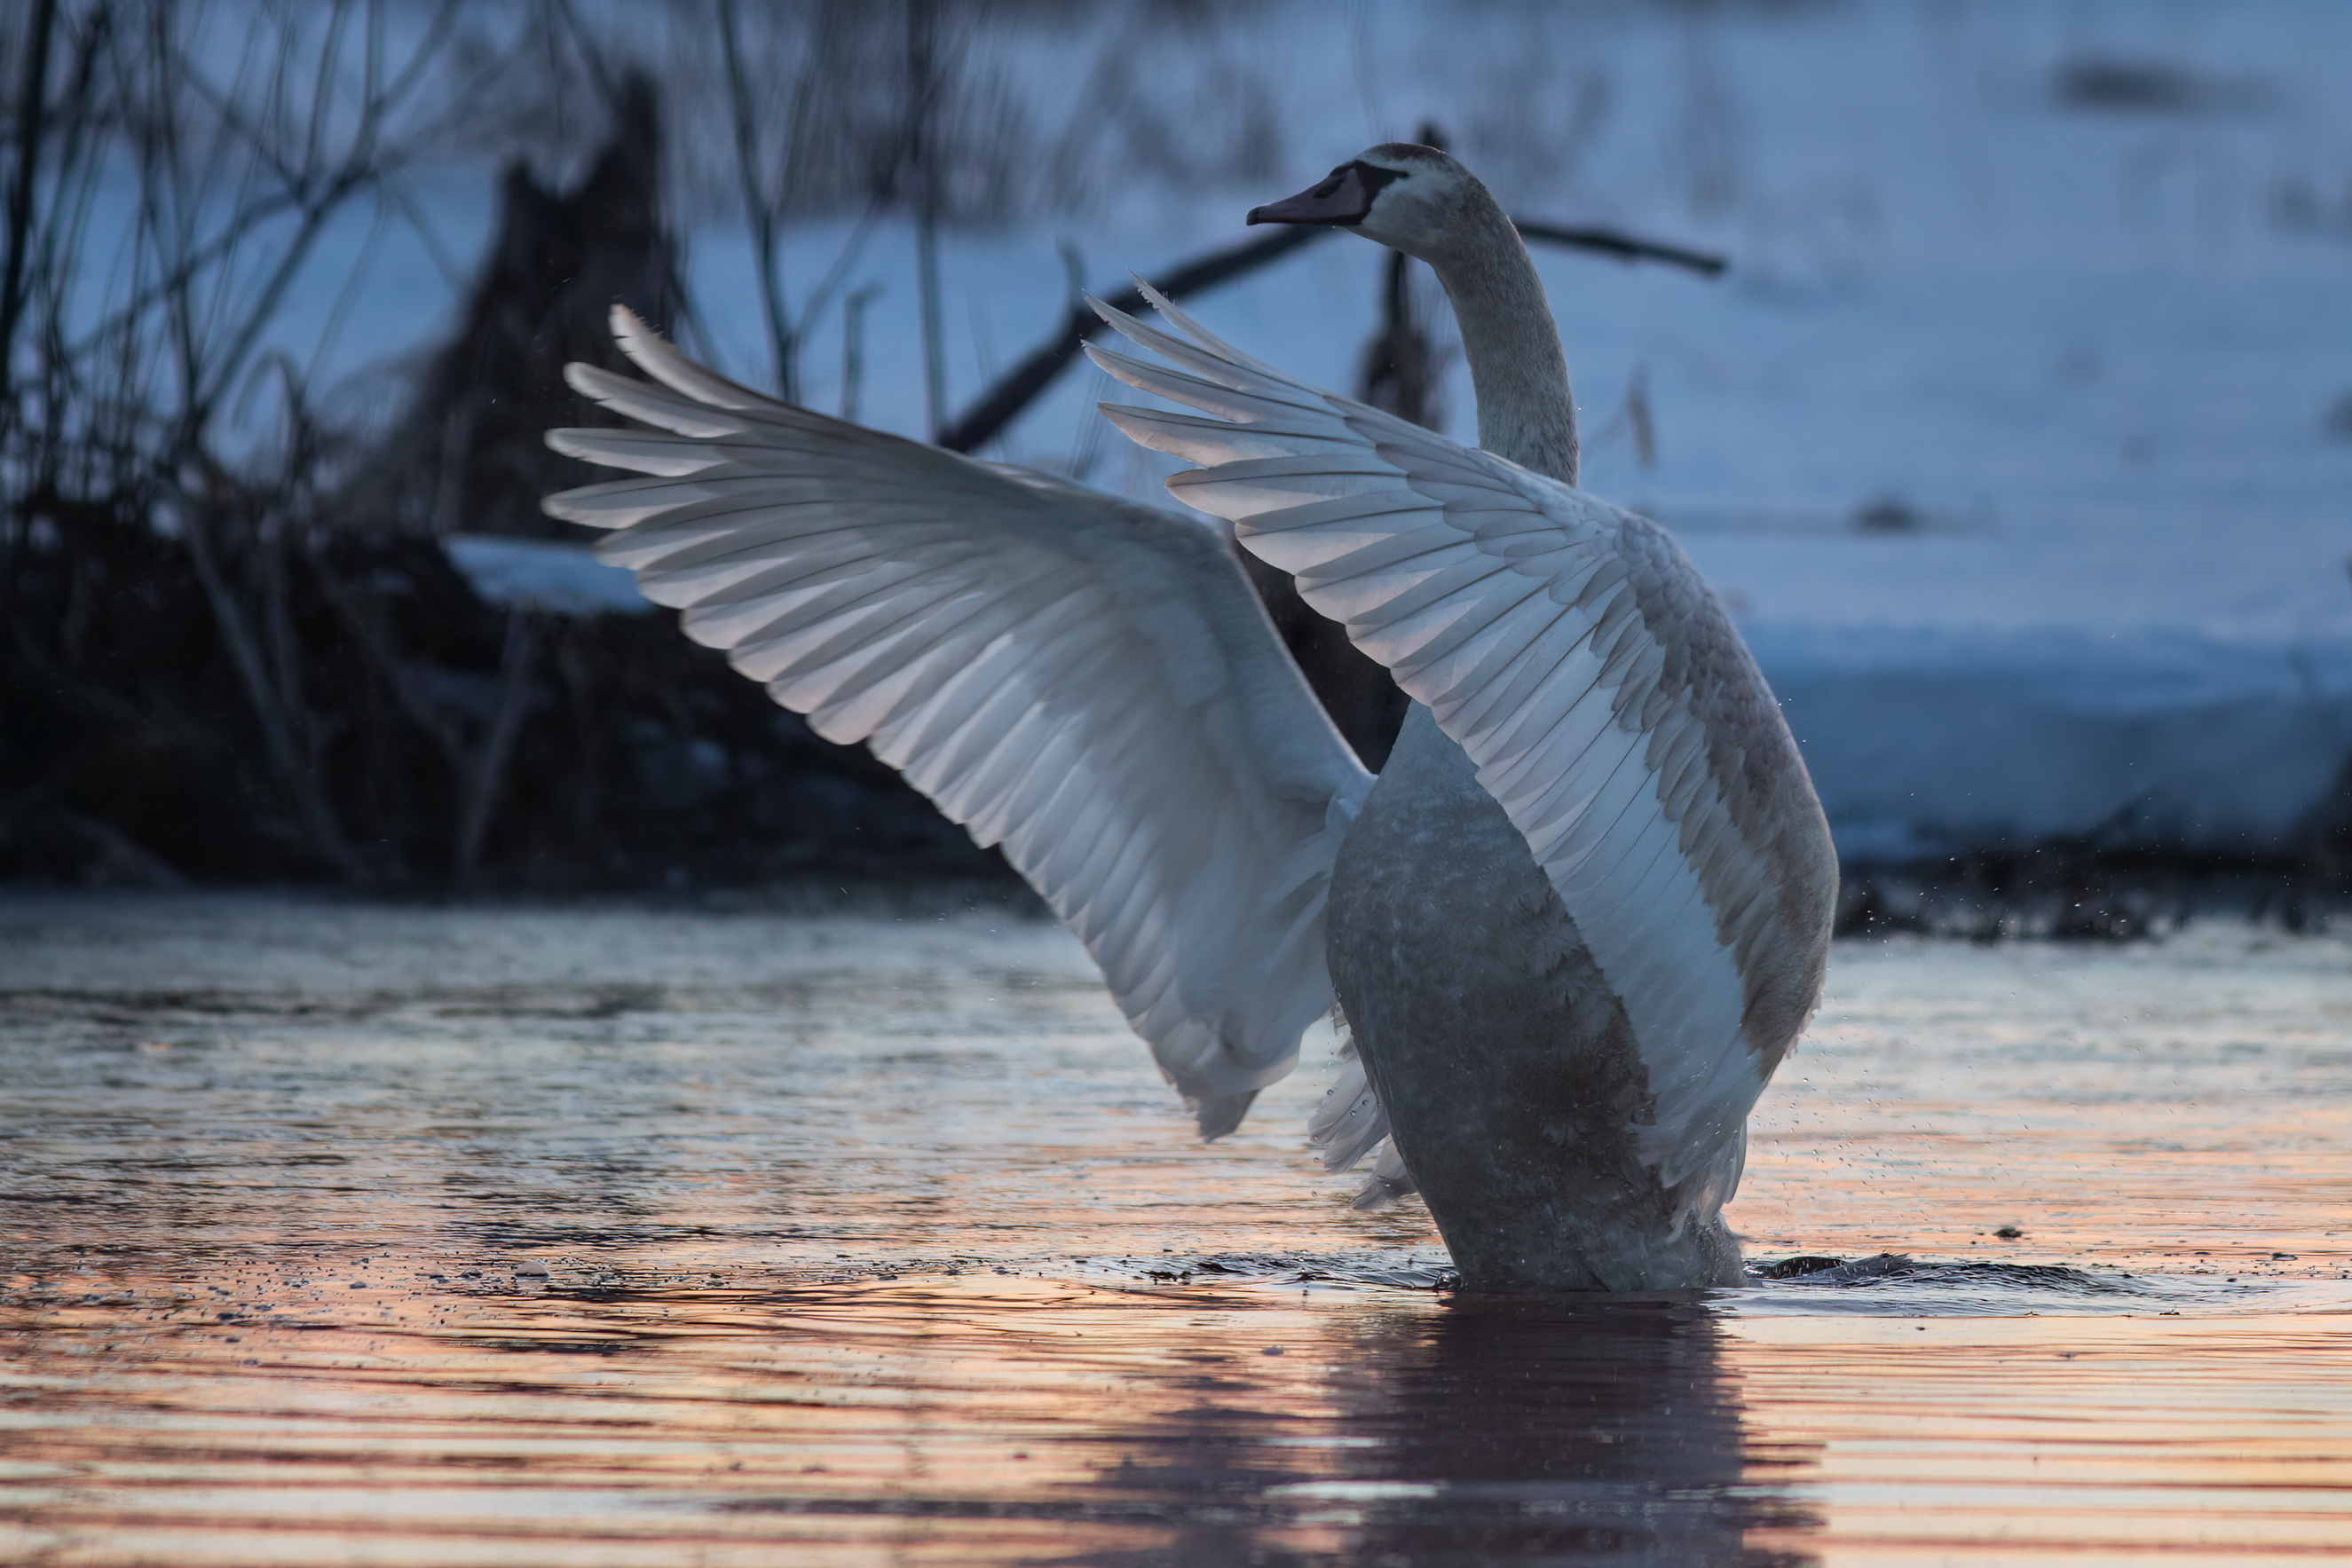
413	1237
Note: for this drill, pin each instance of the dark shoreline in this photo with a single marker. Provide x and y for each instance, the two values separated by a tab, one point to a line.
2062	892
2035	896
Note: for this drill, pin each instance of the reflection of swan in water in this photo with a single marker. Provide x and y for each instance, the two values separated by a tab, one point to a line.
1574	924
1488	1429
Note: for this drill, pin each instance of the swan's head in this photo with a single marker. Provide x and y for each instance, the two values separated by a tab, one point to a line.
1410	198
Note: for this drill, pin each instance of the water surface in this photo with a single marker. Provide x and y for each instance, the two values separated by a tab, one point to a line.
344	1234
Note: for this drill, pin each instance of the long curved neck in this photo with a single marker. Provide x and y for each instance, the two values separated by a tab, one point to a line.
1526	411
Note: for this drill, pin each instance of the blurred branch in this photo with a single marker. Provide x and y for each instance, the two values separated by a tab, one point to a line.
325	840
32	117
361	618
291	151
608	87
184	272
207	391
813	309
515	671
359	169
761	215
1623	246
924	80
1017	388
853	346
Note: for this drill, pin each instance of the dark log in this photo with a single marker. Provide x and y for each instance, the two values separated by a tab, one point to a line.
469	456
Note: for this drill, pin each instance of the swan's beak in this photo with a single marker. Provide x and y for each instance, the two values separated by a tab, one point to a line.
1344	197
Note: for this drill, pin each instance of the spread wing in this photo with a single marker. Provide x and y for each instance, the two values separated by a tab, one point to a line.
1574	652
1091	685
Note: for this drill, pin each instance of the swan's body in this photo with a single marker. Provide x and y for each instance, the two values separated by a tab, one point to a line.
1573	926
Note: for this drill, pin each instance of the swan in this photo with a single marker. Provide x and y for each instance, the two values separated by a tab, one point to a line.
1574	924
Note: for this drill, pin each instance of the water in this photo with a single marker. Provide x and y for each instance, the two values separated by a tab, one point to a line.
339	1234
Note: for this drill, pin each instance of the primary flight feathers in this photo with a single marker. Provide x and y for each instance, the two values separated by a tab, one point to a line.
1090	685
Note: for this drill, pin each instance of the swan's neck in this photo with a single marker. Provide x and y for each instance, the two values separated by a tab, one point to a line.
1526	412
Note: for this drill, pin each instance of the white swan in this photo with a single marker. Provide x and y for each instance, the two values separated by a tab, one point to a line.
1574	924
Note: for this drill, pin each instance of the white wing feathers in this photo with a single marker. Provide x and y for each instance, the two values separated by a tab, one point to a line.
1089	684
1569	647
1350	1124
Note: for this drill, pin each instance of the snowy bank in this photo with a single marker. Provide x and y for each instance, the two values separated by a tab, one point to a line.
1954	694
538	574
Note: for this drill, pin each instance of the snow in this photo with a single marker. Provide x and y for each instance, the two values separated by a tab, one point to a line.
542	574
1955	691
2089	360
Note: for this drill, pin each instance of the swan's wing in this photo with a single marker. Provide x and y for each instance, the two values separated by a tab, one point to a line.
1574	651
1352	1123
1091	685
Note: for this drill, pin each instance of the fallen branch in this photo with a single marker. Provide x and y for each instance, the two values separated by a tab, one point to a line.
1624	246
1021	386
1018	388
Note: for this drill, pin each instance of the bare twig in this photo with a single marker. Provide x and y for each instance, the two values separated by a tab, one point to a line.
608	85
367	630
326	839
267	142
49	266
32	117
183	272
921	161
120	858
761	215
853	346
813	309
515	672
